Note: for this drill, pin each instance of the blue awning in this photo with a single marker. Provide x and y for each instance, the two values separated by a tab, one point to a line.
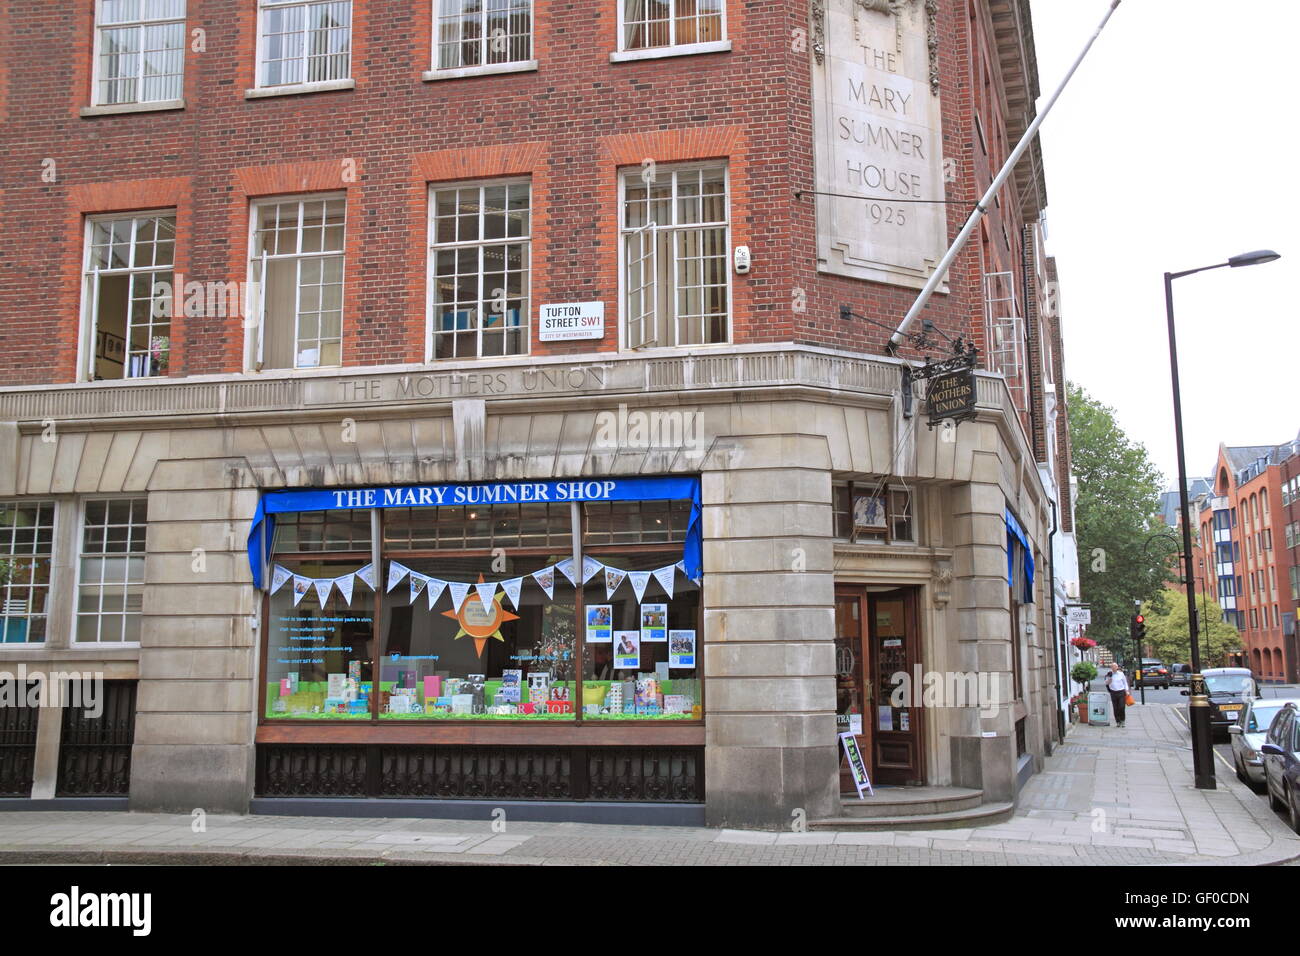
1017	533
499	492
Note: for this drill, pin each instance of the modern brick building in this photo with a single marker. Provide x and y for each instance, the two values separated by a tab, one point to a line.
443	401
1248	517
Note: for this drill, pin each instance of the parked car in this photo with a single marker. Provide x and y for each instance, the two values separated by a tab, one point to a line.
1248	737
1154	673
1229	690
1281	752
1180	674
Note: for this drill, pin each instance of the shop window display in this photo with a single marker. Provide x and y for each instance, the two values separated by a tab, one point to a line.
321	641
505	651
641	618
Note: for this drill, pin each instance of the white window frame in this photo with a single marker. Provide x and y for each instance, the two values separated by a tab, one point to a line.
96	76
77	613
261	88
90	290
623	232
6	555
256	308
431	249
622	53
483	68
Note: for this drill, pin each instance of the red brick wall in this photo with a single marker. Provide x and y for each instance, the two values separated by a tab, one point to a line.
569	126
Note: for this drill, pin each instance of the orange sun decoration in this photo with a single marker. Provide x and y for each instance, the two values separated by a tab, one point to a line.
477	623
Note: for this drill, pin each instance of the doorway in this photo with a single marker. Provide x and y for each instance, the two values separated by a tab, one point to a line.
877	636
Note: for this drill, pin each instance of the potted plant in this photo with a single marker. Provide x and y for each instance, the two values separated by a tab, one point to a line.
1084	672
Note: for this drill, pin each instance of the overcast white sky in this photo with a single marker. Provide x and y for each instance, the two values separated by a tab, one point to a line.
1174	147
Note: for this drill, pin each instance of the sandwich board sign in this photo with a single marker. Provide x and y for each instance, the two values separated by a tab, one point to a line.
857	766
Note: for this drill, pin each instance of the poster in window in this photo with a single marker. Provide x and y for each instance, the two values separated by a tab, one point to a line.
681	649
869	513
627	650
654	623
600	621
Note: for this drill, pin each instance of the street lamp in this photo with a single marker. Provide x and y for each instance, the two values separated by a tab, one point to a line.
1202	756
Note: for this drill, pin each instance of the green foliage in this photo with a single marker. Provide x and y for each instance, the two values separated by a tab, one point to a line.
1167	630
1084	672
1117	510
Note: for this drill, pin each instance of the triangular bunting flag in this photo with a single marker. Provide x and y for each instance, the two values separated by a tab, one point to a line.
486	595
665	578
545	579
589	568
278	576
367	574
300	588
345	583
511	588
458	592
433	589
323	588
639	580
613	578
418	581
395	574
565	567
681	566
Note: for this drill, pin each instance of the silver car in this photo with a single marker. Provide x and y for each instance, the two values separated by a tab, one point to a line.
1247	737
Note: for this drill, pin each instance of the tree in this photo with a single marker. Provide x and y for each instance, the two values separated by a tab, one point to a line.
1116	510
1167	631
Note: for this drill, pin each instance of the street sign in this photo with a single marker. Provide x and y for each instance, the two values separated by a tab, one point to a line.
1078	615
951	396
571	320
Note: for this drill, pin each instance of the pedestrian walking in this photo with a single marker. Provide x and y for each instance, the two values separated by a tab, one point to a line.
1117	684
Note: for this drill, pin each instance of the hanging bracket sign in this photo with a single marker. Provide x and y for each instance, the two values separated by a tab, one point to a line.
951	397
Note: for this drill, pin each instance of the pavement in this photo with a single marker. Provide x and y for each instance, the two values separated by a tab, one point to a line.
1106	796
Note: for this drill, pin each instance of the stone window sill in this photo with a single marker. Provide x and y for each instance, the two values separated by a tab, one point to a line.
299	88
659	52
523	66
115	108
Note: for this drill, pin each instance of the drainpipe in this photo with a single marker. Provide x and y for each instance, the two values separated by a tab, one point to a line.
1056	639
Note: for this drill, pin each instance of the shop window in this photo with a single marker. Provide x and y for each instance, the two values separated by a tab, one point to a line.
26	546
641	659
321	641
482	33
111	573
500	660
675	252
635	522
649	24
473	527
140	51
128	289
479	260
297	268
304	42
323	531
872	510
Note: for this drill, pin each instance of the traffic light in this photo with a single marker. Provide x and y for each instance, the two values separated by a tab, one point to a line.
1138	628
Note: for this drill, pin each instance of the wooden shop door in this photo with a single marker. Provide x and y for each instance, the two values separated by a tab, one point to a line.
894	643
852	708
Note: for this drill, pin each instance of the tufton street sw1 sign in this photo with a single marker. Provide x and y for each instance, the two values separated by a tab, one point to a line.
571	320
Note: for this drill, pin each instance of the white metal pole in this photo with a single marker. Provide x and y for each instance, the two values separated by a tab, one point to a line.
981	208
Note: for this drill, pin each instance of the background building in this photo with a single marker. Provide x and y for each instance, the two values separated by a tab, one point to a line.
310	271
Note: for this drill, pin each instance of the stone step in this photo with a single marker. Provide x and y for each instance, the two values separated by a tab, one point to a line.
982	815
910	801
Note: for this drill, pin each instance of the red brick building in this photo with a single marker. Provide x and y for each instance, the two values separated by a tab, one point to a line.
283	245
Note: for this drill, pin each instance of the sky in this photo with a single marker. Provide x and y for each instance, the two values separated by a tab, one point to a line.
1175	146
